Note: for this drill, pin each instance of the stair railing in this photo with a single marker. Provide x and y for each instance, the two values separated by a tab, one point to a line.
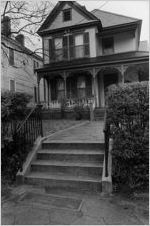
31	127
106	131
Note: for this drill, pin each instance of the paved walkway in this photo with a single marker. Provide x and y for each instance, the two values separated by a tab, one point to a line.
85	132
94	210
54	125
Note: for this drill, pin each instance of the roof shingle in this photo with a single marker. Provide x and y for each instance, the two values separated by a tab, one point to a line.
111	19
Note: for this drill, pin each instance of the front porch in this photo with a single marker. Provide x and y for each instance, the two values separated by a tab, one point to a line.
85	88
84	82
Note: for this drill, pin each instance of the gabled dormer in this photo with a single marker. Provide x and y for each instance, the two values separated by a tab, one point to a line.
69	33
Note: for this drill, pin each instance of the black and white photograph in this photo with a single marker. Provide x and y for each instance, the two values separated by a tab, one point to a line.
75	112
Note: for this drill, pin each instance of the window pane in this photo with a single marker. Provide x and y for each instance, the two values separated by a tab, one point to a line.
78	40
58	43
12	85
67	15
11	56
108	45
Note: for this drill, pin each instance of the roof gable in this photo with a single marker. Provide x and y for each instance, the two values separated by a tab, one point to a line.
112	19
79	15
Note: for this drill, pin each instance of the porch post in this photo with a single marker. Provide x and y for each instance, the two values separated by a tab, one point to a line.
38	83
48	91
94	85
122	70
44	90
65	78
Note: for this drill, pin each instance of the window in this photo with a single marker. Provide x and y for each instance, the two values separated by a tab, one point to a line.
35	64
79	48
81	86
68	47
67	15
12	85
60	89
11	57
58	44
108	45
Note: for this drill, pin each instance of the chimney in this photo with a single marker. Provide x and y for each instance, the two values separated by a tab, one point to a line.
20	38
6	26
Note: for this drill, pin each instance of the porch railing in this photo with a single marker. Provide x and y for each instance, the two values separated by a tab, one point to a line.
70	103
106	131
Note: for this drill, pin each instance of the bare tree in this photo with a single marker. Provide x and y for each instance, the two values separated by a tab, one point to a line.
26	17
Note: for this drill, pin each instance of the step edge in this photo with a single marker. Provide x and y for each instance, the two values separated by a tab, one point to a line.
65	165
94	180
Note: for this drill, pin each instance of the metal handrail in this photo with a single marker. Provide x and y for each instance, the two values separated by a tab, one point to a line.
24	121
31	127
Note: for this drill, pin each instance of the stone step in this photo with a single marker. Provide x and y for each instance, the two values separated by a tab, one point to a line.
68	168
73	145
71	155
79	183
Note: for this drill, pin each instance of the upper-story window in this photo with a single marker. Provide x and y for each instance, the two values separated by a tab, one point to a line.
11	57
108	45
67	15
69	47
58	45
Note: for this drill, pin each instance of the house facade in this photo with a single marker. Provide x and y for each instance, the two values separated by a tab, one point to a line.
18	65
85	52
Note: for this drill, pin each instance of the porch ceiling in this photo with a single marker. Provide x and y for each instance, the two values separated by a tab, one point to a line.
120	58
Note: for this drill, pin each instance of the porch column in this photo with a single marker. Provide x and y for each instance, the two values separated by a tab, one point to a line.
101	90
94	86
38	83
44	90
48	90
122	70
65	84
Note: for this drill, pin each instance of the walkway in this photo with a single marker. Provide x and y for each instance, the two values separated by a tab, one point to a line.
85	132
27	205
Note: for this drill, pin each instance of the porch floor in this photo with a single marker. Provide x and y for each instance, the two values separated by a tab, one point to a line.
83	132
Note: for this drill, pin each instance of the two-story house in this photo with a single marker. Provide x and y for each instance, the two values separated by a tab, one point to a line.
18	64
85	52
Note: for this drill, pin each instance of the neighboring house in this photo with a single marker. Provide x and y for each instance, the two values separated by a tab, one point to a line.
85	52
18	65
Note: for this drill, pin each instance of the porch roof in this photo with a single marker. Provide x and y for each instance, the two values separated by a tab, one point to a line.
120	58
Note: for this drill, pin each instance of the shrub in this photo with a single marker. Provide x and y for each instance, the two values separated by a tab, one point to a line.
128	115
14	108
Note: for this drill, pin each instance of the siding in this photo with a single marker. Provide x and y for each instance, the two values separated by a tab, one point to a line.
22	71
77	18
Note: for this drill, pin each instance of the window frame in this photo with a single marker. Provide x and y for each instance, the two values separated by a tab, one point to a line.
63	14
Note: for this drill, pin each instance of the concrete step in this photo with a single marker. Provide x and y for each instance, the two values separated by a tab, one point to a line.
73	145
79	183
68	168
71	155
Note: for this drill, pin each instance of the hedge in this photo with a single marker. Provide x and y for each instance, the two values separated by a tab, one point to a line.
13	111
128	114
